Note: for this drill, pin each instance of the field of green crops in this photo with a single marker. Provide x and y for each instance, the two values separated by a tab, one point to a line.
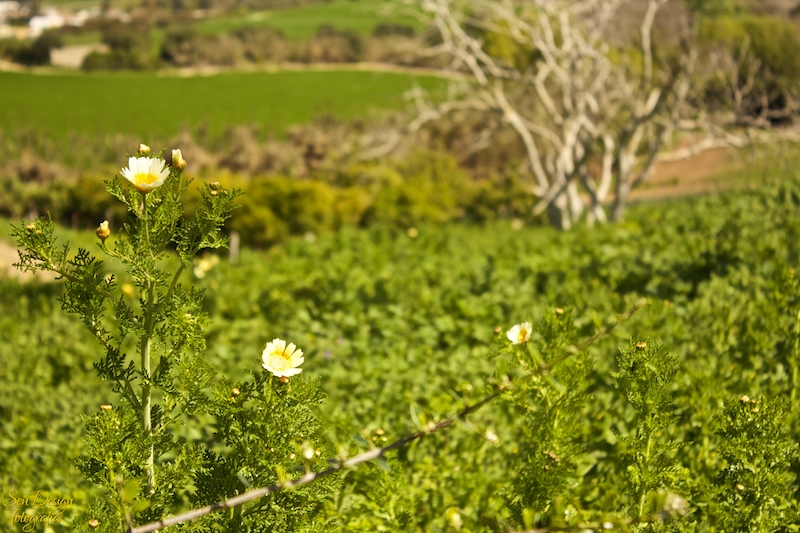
361	16
154	106
398	327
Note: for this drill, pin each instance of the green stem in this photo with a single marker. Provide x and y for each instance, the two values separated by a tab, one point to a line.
146	345
643	469
796	361
171	288
237	517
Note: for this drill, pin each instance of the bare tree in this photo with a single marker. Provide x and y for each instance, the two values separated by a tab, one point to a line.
591	117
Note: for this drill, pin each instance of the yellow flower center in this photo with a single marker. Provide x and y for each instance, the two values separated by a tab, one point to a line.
145	178
522	335
280	361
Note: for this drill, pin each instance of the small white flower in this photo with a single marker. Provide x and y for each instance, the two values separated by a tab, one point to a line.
519	333
282	360
146	173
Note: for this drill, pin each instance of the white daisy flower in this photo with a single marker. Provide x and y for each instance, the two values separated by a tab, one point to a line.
519	333
282	360
146	173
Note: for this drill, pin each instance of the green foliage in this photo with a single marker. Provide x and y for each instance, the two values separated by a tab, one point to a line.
428	188
399	333
756	487
145	466
765	50
548	411
645	377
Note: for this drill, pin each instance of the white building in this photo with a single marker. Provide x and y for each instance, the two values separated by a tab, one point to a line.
51	19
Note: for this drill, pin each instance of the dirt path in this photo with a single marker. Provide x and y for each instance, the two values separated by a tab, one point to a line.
697	174
8	256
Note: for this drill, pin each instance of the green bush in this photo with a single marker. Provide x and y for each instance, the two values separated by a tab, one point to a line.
130	48
770	43
428	188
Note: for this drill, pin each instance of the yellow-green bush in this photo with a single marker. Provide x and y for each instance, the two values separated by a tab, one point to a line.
771	41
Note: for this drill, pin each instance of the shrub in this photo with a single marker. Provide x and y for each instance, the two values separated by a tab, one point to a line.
130	48
331	45
37	52
761	47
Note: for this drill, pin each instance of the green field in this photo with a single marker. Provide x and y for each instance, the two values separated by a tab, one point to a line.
301	23
154	106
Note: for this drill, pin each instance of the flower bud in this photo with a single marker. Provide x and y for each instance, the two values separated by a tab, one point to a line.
284	380
308	451
93	523
177	160
235	391
105	407
102	231
144	149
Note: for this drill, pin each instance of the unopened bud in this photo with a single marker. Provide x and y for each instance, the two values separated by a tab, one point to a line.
235	391
552	456
93	523
177	160
292	456
559	311
744	399
284	380
105	407
214	185
30	227
144	149
641	345
103	232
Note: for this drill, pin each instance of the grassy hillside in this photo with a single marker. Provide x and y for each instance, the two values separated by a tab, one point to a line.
150	105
